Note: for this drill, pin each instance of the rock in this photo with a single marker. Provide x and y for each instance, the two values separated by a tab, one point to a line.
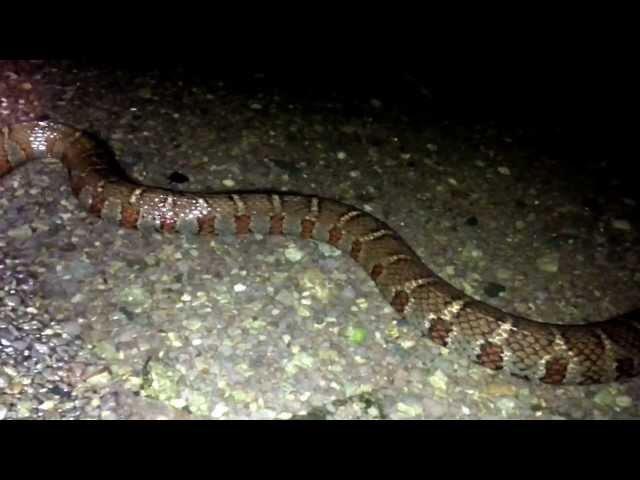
20	233
500	390
621	224
439	381
549	263
624	401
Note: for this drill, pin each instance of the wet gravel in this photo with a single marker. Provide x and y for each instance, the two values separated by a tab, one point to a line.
100	322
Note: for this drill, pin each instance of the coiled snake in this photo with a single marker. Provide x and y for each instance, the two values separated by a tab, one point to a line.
577	354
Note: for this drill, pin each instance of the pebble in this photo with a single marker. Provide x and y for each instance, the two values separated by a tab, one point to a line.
604	397
506	405
228	182
47	405
624	401
494	289
100	379
239	287
621	224
409	410
357	335
293	253
439	381
503	273
504	170
501	390
549	263
219	410
13	300
20	233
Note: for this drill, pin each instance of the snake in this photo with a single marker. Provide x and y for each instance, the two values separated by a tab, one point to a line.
546	352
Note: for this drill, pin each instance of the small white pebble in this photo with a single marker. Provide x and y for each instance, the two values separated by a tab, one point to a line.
228	182
293	253
239	287
341	155
47	405
504	170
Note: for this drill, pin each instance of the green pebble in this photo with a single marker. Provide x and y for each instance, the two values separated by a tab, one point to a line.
357	335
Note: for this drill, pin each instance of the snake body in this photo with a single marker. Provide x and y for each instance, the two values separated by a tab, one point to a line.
578	354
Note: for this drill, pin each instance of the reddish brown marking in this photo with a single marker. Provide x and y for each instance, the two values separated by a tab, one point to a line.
356	248
277	224
129	216
97	204
555	370
376	271
77	183
335	235
243	222
625	368
5	165
207	225
400	301
439	331
168	225
491	356
307	226
76	187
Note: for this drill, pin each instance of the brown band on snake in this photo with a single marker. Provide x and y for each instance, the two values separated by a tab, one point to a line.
551	353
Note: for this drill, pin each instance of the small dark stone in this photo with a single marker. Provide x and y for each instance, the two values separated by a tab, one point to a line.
494	289
471	221
177	177
130	315
68	247
59	392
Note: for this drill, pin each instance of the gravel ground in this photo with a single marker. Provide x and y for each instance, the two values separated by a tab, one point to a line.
98	322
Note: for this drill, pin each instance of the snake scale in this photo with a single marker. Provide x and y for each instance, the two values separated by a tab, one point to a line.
571	354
